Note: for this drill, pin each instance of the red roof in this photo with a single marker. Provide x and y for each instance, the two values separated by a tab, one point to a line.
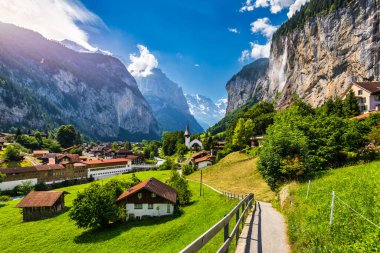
152	185
205	158
197	154
38	199
117	160
364	115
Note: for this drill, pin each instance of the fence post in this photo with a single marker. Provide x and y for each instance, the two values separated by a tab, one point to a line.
226	231
308	189
237	230
332	208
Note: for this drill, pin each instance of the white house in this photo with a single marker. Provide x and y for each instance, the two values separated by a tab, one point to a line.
368	95
190	143
148	199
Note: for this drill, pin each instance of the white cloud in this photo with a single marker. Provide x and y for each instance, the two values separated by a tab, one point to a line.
56	20
257	51
233	30
142	65
296	6
275	5
197	65
263	26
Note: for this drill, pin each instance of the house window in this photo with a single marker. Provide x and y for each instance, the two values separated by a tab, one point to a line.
377	97
153	195
363	108
150	206
360	92
168	208
139	195
138	206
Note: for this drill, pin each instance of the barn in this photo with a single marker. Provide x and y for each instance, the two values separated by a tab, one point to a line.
150	198
41	204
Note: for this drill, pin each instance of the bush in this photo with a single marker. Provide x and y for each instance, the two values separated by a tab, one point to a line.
5	198
12	152
41	187
24	188
187	169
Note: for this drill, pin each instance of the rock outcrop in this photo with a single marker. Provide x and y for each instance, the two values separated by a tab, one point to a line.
321	59
246	84
93	91
327	55
168	102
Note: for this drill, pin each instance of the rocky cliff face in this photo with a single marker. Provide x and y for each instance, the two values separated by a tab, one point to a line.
246	84
322	59
94	92
327	55
168	102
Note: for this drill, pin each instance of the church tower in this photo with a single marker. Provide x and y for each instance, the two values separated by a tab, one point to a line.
187	136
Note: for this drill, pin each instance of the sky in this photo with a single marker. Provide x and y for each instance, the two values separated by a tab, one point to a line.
198	44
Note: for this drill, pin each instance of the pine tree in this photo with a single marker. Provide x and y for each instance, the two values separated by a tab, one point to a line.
238	137
350	105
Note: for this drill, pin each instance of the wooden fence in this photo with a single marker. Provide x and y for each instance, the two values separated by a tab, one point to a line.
201	241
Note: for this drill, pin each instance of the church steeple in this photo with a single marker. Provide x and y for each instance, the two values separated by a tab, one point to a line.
187	131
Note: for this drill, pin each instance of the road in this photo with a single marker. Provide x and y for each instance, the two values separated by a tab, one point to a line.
264	231
32	160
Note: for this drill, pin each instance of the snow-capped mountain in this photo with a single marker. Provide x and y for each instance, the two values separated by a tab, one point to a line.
205	110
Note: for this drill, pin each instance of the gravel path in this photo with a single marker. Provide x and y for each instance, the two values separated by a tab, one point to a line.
264	232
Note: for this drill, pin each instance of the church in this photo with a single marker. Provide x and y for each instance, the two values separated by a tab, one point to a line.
190	143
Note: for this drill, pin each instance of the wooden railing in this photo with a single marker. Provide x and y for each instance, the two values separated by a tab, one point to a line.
201	241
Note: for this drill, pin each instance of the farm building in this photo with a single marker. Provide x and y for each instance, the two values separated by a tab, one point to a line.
148	199
39	205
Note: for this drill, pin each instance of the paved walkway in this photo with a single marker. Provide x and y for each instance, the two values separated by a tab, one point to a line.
264	232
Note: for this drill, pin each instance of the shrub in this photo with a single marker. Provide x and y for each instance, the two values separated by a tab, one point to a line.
5	198
187	169
24	188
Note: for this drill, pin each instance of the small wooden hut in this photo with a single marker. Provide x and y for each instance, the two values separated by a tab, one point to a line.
41	204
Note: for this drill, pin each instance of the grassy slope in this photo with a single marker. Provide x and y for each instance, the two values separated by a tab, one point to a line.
59	234
308	220
236	173
23	163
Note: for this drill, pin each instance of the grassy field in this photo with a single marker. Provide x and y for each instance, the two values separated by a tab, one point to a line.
308	219
23	163
59	234
236	173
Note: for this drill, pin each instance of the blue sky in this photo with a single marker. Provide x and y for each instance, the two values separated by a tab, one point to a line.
197	43
190	39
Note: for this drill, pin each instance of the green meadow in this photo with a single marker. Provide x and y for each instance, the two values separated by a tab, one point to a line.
168	234
308	219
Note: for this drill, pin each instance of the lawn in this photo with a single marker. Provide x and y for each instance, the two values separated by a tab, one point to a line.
236	173
59	234
308	219
11	164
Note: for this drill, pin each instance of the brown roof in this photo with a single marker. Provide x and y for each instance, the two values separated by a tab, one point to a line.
205	158
38	199
31	168
155	186
118	160
198	154
371	87
74	158
40	152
